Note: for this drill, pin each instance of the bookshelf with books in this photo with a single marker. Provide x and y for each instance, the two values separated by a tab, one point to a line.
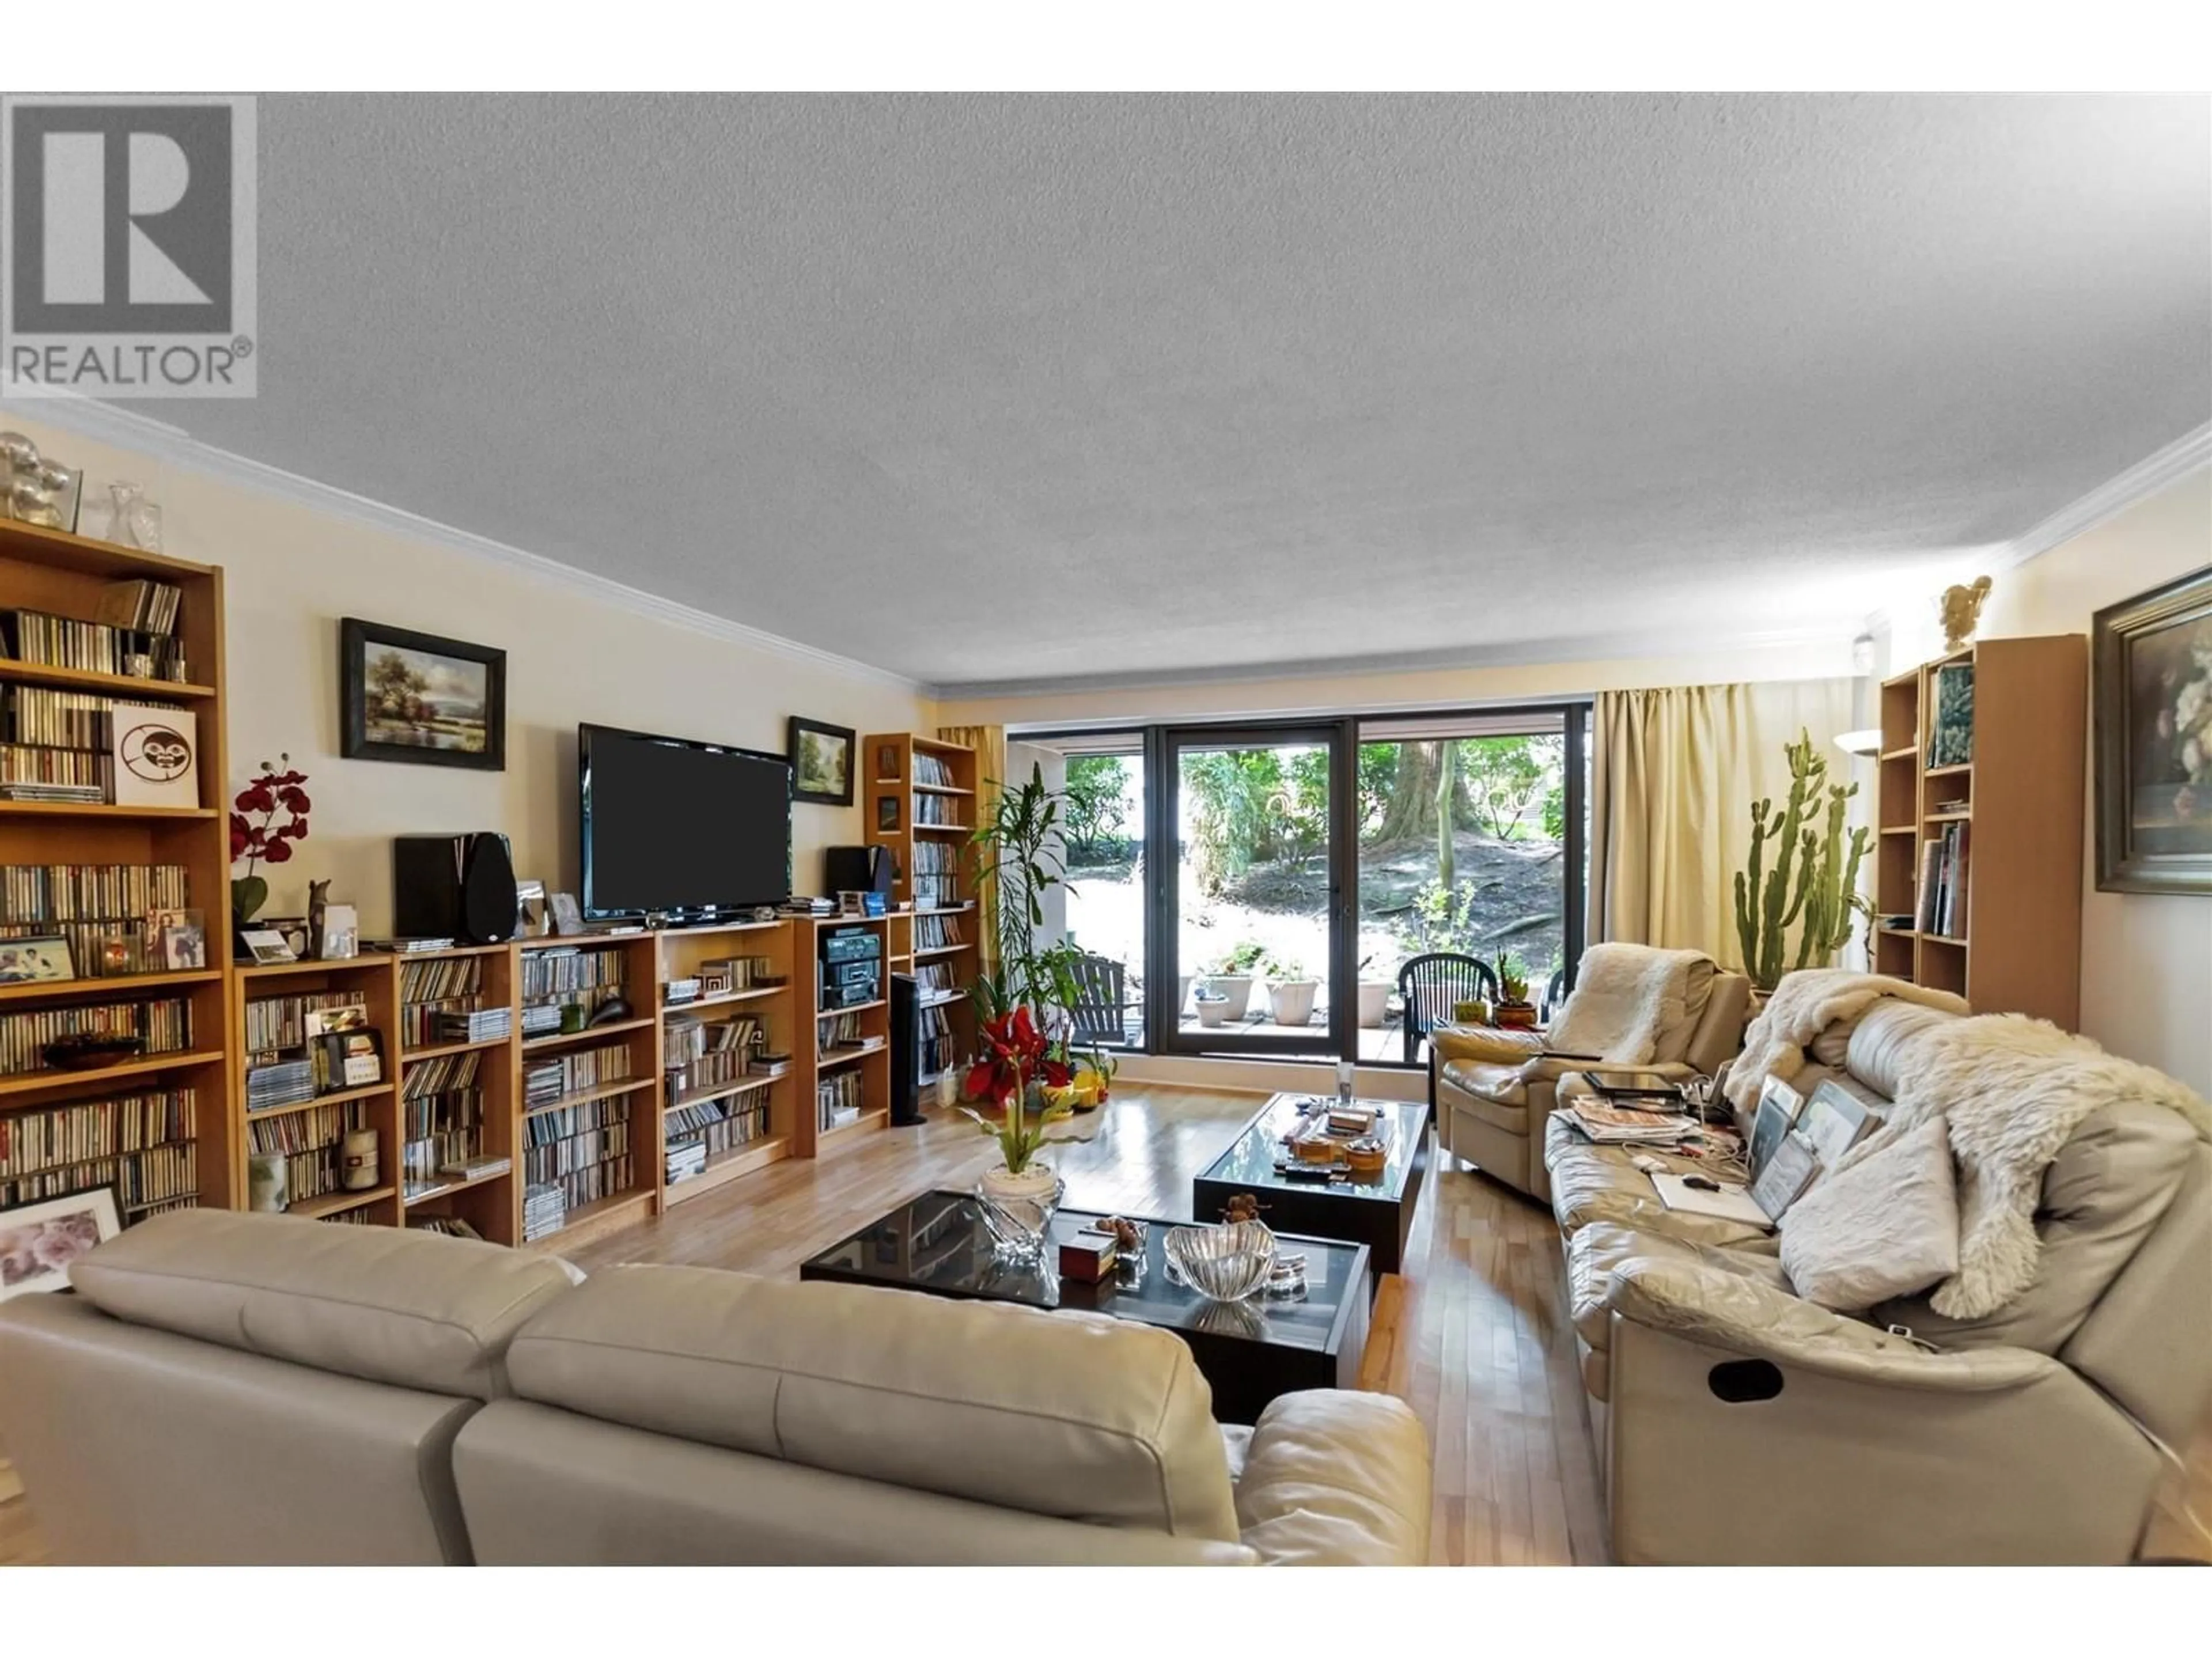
588	1062
729	1099
1977	868
457	1088
309	1037
923	797
86	626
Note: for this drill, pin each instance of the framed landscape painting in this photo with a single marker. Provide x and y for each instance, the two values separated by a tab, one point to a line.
821	762
415	697
2152	662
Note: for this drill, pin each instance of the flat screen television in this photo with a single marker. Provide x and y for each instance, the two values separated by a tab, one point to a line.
679	829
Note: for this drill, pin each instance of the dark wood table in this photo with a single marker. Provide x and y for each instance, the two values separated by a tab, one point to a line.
1250	1352
1378	1213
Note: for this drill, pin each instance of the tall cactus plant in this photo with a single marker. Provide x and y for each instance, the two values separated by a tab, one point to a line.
1813	886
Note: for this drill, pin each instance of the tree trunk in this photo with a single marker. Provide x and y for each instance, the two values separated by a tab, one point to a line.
1411	811
1447	794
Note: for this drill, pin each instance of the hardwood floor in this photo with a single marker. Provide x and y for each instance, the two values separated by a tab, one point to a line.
1474	1336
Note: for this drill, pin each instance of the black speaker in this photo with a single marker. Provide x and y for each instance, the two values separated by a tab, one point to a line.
453	887
906	1050
856	869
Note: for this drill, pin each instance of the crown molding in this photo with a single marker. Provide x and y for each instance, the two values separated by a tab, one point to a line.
172	446
1565	649
2145	479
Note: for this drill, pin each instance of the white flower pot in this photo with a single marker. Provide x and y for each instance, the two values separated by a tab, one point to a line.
1373	1002
1183	994
1294	1000
1212	1013
1238	988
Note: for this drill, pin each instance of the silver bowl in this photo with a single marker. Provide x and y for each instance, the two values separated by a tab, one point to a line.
1225	1263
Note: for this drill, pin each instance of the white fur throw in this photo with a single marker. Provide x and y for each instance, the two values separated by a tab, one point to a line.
1804	1005
1626	998
2012	1091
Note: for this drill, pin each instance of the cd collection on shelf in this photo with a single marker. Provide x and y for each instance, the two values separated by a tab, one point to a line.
839	1032
936	877
726	974
442	1116
165	1024
837	1098
274	1024
552	1078
933	769
312	1144
51	1151
276	1084
938	811
583	1151
135	636
428	989
544	1211
697	1134
567	976
934	1029
698	1054
936	933
101	910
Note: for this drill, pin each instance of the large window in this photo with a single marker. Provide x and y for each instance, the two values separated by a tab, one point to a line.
1294	869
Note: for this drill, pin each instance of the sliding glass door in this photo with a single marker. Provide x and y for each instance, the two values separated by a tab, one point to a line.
1251	907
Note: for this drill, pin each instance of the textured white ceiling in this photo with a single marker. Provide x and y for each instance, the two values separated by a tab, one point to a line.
983	388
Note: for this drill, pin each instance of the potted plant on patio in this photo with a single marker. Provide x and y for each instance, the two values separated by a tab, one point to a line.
1231	978
1289	989
1373	998
1514	1011
1212	1005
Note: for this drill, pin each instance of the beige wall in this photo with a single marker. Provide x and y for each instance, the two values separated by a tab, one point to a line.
2146	958
1443	688
291	572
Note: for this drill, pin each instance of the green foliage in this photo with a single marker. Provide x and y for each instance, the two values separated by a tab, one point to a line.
1444	918
1020	1129
1097	807
1018	849
1819	904
1283	966
1512	977
1247	807
1241	957
1505	777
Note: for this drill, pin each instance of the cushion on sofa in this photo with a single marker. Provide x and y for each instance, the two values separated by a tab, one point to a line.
2106	1190
1673	1044
1886	1224
1877	1052
411	1308
1077	1415
1487	1081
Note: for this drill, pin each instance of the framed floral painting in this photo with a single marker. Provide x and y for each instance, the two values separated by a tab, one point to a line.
2152	660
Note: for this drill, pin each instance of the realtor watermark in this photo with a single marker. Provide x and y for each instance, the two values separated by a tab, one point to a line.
127	228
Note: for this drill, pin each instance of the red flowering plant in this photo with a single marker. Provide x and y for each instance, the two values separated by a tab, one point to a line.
268	842
1016	1060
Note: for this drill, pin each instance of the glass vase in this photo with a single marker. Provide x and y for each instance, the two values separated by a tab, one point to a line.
1017	1210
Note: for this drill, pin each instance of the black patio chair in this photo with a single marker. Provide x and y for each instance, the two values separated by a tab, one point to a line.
1102	1000
1554	994
1429	985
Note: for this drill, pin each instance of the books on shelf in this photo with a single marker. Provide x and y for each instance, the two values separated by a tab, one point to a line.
568	975
1946	865
103	647
942	811
430	990
936	879
685	1158
312	1144
933	769
441	1116
275	1023
583	1151
546	1080
937	933
102	910
473	1025
934	1025
279	1084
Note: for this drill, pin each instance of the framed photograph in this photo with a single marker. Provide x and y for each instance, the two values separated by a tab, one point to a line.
887	766
415	697
38	1242
179	938
887	813
568	916
821	762
341	933
2151	667
36	960
265	945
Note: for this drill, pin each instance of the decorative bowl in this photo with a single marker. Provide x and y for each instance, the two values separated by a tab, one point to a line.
1225	1263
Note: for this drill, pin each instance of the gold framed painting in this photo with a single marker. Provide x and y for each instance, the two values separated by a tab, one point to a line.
2152	662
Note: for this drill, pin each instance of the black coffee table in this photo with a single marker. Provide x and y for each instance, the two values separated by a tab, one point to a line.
1378	1213
1249	1352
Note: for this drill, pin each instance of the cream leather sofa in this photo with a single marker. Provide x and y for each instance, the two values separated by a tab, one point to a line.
240	1389
1496	1115
1737	1422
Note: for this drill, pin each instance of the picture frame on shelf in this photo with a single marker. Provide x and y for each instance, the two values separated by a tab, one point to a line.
40	1240
420	699
887	813
37	960
568	916
887	766
177	938
821	762
266	946
2151	677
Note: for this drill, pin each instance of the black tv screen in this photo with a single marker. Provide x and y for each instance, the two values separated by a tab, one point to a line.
681	829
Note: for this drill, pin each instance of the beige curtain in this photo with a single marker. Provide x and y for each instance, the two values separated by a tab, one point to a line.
989	742
1673	774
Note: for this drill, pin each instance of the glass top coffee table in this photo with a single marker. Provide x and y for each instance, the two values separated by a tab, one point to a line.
1250	1352
1376	1212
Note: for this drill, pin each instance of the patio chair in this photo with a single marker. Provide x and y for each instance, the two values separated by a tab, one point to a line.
1429	985
1102	1001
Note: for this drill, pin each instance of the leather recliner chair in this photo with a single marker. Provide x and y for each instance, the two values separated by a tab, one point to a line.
1494	1114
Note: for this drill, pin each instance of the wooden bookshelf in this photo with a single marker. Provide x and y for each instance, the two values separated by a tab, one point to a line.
899	795
681	953
62	574
2016	805
490	1204
816	1062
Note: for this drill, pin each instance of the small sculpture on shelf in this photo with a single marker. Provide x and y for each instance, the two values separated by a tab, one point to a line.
33	490
1962	609
1242	1206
